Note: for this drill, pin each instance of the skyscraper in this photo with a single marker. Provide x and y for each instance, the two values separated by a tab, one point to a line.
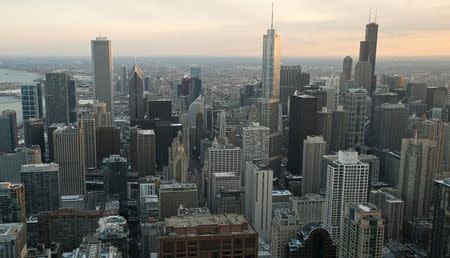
102	117
339	127
313	150
146	152
392	209
115	170
255	142
355	104
178	160
41	183
389	126
102	68
291	79
302	122
417	171
136	90
68	142
12	203
416	91
8	131
271	63
221	182
10	162
123	80
72	101
33	130
347	180
57	97
362	231
258	197
368	53
31	95
222	125
347	66
13	240
171	196
285	225
87	125
440	241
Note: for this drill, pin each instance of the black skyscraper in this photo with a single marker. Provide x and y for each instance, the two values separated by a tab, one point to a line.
34	134
8	131
72	101
368	52
302	122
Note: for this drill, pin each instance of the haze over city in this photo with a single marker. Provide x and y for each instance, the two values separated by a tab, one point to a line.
222	28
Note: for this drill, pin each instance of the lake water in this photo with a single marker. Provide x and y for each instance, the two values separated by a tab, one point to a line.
14	76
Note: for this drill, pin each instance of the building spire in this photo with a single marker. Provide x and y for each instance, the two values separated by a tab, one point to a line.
271	20
375	15
370	15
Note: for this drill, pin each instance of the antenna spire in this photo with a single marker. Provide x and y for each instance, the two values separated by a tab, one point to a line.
376	15
271	20
370	15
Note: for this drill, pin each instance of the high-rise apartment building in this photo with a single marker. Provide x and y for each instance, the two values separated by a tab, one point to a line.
41	182
224	158
68	144
102	68
146	152
302	122
314	147
255	142
347	180
355	104
115	171
392	210
205	235
87	125
285	225
362	232
8	131
136	89
171	196
389	126
417	171
440	241
258	197
12	203
57	97
31	95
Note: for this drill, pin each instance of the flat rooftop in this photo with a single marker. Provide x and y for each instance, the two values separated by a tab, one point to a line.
200	220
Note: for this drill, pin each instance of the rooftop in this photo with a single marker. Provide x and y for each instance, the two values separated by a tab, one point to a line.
40	167
207	219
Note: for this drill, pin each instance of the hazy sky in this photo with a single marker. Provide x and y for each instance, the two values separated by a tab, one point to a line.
222	27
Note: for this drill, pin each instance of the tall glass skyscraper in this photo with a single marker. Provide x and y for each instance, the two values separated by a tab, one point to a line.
271	64
31	101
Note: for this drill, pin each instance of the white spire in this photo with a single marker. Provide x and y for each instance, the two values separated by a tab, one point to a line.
271	20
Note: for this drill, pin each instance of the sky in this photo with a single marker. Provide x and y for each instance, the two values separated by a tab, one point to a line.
222	27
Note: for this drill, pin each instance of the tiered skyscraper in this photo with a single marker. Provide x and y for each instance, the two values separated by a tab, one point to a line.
136	90
102	67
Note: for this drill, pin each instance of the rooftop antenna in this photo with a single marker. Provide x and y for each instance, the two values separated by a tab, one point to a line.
271	21
370	15
376	15
134	60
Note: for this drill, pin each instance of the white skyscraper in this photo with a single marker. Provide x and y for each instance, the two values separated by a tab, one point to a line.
347	182
258	197
255	142
314	147
102	67
224	158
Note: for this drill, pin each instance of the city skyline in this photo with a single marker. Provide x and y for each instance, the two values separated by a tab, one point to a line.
159	29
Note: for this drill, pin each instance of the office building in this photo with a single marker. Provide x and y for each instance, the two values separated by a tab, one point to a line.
57	98
221	181
123	80
416	91
8	131
392	210
230	201
324	126
136	105
34	134
158	109
374	166
363	71
108	142
301	124
291	79
440	242
87	125
10	163
417	171
178	160
308	207
224	158
339	127
68	144
271	64
195	72
389	126
150	232
208	235
311	236
102	117
171	196
146	152
72	94
12	203
102	68
314	147
31	95
362	231
437	97
355	104
258	197
255	142
13	240
115	171
347	182
41	182
285	225
347	66
368	52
